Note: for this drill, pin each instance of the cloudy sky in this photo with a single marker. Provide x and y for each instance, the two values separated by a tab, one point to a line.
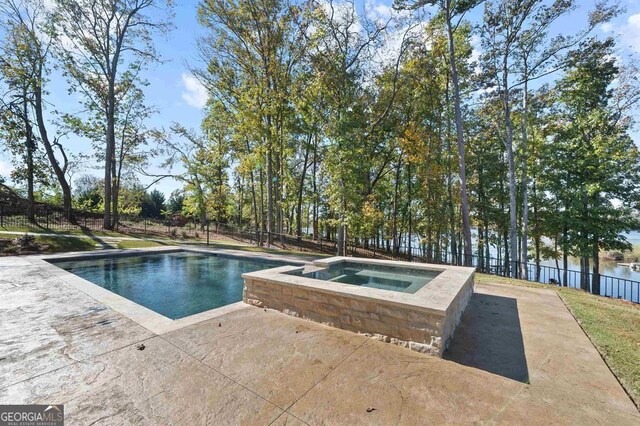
179	97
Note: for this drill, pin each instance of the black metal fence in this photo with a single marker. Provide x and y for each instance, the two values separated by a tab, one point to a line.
48	218
610	286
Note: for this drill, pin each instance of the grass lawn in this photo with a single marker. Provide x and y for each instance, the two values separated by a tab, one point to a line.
129	233
130	244
231	245
243	246
74	231
612	325
62	244
614	328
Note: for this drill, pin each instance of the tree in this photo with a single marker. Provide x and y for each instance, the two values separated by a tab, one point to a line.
104	44
251	51
593	158
518	50
132	136
88	193
176	202
203	167
153	204
26	55
452	12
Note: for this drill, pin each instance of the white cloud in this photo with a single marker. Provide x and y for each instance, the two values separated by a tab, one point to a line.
194	93
631	32
607	27
378	11
344	15
5	169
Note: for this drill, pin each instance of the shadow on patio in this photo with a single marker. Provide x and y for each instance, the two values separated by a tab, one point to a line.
489	337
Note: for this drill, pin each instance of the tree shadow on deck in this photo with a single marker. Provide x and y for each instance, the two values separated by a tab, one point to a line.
89	233
489	337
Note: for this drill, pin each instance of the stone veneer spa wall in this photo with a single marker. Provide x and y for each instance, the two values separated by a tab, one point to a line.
424	320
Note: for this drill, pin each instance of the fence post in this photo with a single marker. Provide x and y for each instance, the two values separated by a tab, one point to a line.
1	215
207	232
47	213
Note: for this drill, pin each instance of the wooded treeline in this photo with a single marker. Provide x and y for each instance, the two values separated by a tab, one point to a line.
501	136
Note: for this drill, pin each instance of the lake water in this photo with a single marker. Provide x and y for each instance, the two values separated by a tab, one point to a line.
616	286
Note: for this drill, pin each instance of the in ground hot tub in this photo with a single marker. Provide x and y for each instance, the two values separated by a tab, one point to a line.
410	304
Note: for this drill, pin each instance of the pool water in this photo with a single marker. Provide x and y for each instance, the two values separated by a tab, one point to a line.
384	278
176	284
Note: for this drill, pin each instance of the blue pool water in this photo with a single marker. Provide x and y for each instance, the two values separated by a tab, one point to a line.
176	284
404	280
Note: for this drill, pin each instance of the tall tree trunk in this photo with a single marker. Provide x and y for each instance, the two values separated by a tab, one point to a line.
394	226
464	199
316	231
30	145
240	200
48	146
452	212
487	248
116	169
536	231
507	264
525	180
253	194
565	254
482	207
108	157
409	210
301	189
263	226
584	268
595	277
270	224
585	243
513	218
254	202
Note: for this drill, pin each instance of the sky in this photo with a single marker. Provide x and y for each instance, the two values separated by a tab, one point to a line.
179	97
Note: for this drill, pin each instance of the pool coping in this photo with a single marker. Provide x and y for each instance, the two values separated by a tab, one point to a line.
141	315
435	297
424	321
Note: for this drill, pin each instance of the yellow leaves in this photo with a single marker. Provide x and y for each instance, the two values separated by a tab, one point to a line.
414	142
370	211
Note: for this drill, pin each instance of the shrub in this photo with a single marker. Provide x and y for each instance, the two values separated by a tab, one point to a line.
185	235
25	242
173	232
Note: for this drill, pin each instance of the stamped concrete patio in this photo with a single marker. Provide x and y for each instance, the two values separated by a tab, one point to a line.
517	357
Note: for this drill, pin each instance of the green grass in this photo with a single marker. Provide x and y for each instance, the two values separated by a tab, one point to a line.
74	231
130	244
102	233
256	249
63	244
612	325
614	328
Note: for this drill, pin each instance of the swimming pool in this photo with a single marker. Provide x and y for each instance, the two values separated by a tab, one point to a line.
176	284
404	280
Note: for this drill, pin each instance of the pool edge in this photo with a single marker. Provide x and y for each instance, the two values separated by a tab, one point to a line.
141	315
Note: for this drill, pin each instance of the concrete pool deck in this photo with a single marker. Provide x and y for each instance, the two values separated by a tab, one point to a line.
518	356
